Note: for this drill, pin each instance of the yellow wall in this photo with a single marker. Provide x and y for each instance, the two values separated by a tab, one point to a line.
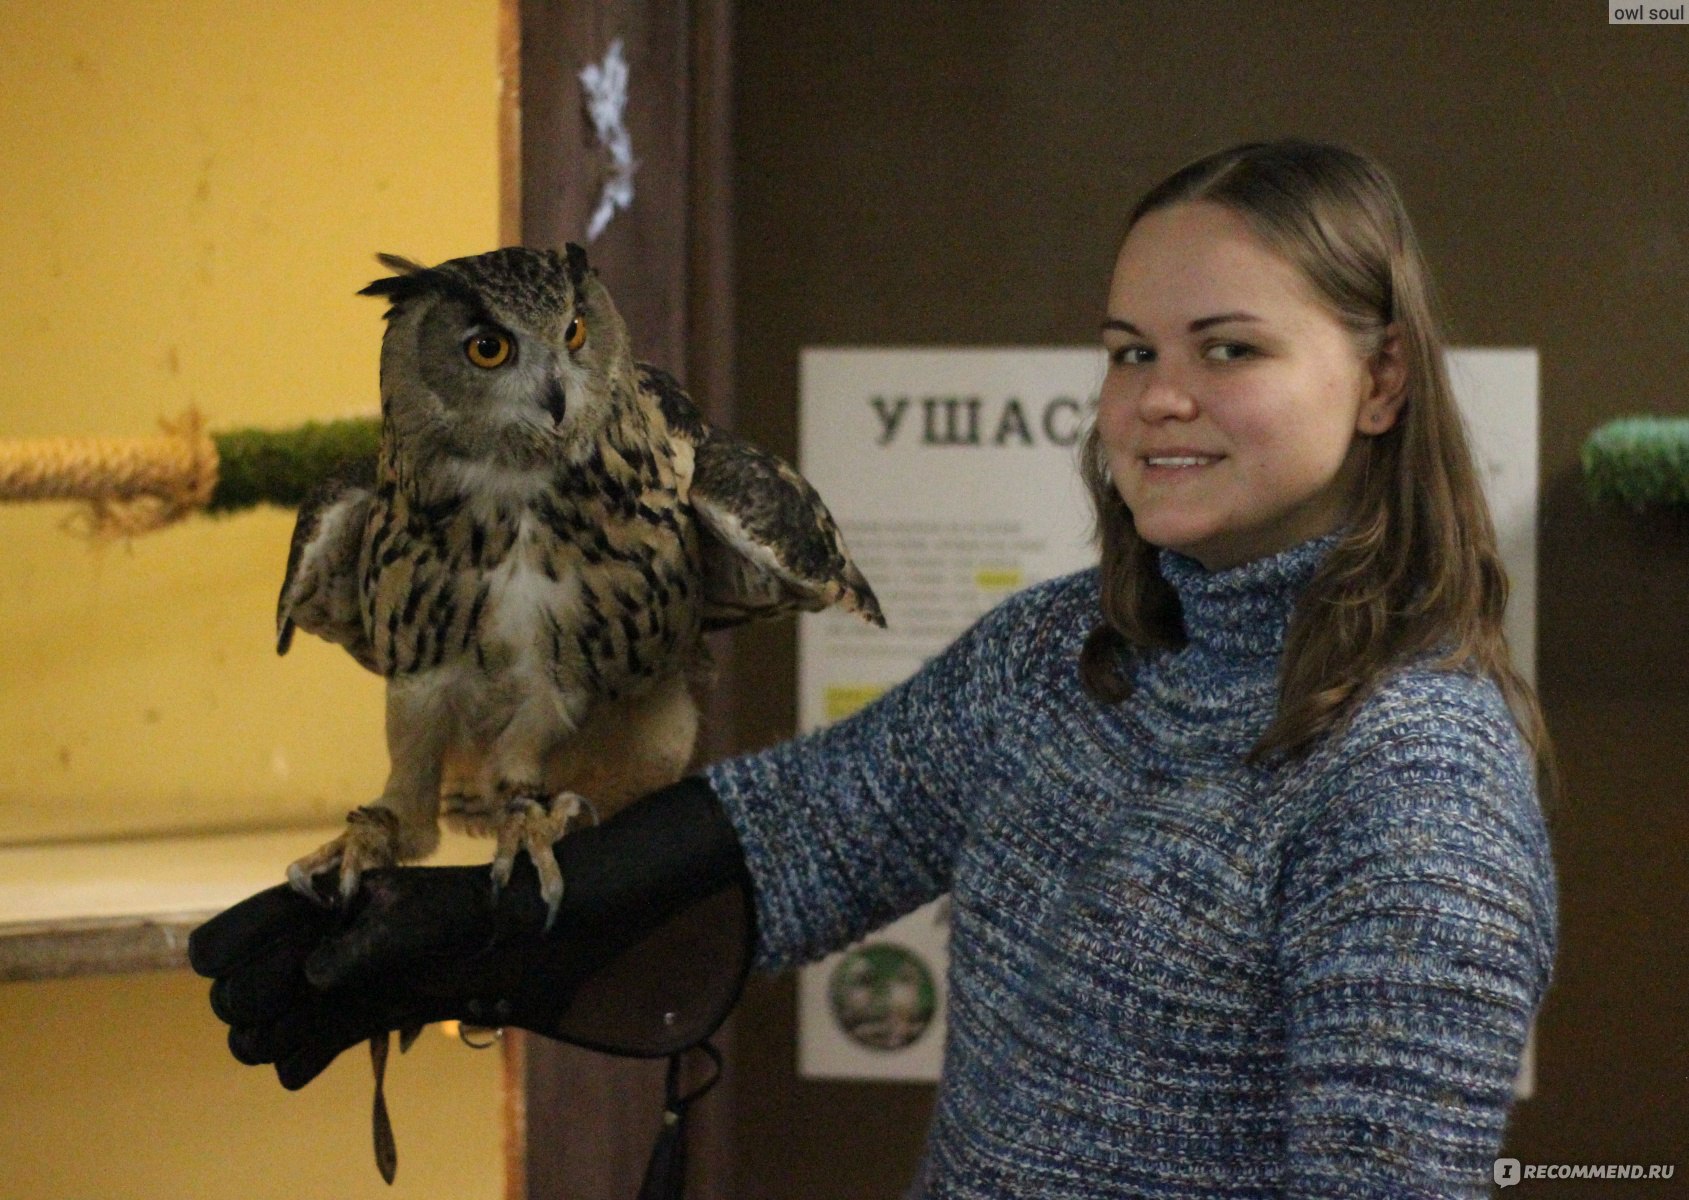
192	192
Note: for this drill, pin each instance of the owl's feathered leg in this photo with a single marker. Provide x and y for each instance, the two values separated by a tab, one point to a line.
403	823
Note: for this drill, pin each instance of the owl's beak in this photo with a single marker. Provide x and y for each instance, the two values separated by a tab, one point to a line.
554	401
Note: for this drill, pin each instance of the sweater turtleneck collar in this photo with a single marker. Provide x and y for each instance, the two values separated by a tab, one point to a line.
1243	612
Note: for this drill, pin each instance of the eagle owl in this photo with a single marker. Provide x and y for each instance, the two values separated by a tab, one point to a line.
532	561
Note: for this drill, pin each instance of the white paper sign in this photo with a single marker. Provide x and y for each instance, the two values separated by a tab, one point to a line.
954	475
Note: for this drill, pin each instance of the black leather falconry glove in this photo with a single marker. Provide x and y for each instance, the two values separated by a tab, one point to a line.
647	956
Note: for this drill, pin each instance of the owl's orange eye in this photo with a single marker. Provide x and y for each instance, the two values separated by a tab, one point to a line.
574	337
487	350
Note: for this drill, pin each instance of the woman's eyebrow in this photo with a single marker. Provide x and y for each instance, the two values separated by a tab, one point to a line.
1196	326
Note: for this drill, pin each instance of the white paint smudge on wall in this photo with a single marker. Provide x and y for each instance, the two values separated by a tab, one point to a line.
606	88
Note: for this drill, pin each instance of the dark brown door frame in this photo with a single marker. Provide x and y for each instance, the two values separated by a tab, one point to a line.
581	1125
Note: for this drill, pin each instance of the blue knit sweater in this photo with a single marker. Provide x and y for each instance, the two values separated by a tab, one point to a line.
1173	974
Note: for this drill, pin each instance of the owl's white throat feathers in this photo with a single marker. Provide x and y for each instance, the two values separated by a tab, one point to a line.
491	486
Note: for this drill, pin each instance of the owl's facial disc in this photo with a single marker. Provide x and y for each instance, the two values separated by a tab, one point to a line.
491	349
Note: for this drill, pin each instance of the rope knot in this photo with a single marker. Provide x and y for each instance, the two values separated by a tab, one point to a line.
132	485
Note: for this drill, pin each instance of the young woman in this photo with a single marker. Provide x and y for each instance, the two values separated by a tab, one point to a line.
1251	893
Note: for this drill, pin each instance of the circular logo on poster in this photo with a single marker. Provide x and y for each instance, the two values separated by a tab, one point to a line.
882	996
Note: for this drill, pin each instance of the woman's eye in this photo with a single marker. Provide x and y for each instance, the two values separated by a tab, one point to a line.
1227	351
1130	356
487	350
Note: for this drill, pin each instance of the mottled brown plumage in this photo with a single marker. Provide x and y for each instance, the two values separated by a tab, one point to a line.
532	563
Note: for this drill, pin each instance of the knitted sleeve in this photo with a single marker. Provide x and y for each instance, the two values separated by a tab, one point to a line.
1417	936
854	825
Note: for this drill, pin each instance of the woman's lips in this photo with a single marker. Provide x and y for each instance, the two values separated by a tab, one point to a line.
1176	464
1181	460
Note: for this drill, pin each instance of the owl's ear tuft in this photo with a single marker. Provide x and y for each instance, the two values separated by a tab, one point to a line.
408	279
412	279
574	262
399	264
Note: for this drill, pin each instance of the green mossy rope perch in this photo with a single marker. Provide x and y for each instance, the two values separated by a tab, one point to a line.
266	466
1639	462
138	484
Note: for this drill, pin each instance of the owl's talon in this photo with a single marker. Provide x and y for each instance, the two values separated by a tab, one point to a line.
509	842
302	875
535	826
349	876
301	881
501	873
371	840
551	881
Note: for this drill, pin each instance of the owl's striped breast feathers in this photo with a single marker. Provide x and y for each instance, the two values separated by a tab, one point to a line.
769	545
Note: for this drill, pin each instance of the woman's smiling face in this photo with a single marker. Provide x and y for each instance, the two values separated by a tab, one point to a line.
1233	398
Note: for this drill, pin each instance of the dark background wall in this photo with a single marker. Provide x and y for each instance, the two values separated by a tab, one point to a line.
959	173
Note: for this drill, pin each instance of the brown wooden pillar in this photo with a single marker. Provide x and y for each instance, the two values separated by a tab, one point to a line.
581	1125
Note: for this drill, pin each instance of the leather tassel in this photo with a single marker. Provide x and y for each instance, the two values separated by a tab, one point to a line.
386	1149
665	1174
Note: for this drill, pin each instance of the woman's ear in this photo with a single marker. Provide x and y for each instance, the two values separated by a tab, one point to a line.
1382	405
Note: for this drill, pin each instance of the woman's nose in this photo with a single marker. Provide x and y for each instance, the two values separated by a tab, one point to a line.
1164	395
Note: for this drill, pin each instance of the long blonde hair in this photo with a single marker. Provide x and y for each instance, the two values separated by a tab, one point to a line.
1417	568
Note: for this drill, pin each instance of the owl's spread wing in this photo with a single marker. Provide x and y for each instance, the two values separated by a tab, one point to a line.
319	594
771	546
